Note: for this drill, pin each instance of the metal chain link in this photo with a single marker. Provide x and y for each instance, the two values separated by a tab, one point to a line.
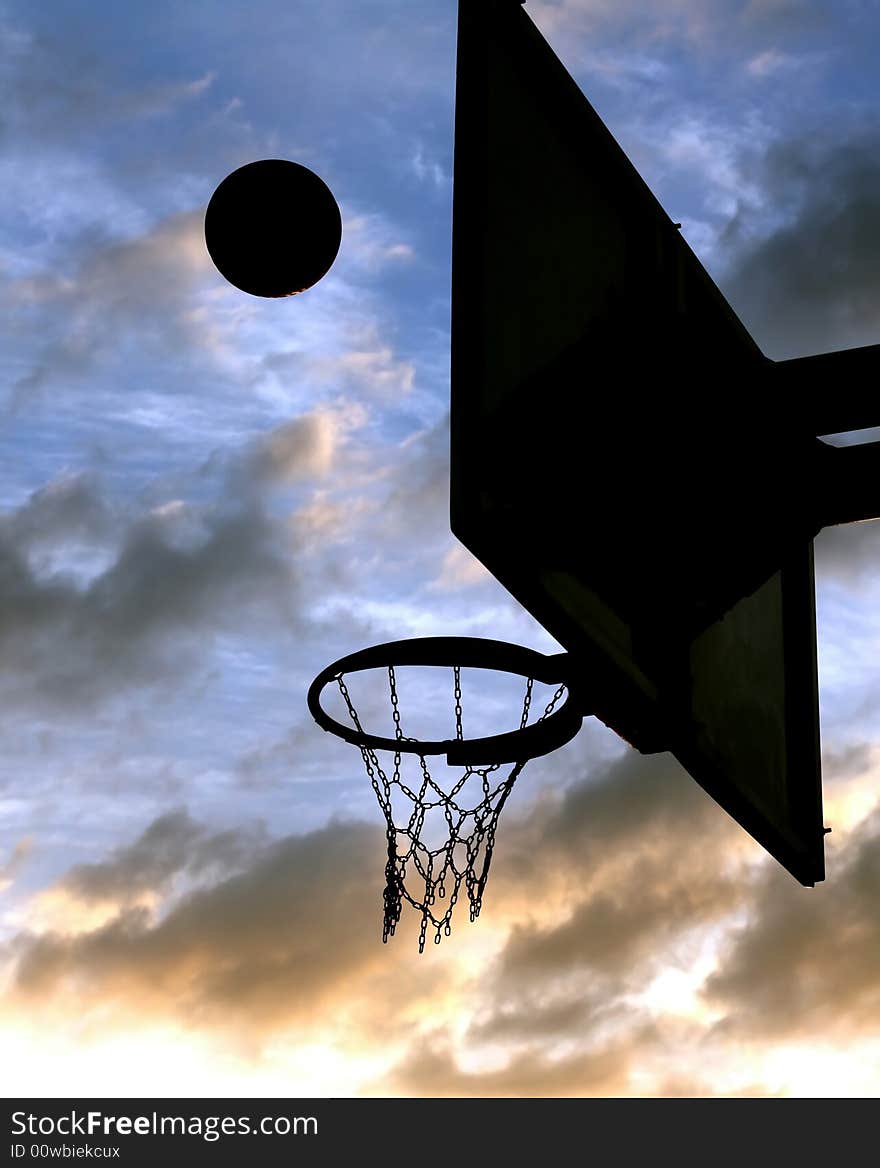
440	870
395	706
551	705
527	704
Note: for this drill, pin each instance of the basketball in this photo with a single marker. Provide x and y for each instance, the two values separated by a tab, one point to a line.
273	228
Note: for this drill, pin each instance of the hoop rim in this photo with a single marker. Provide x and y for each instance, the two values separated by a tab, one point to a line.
512	746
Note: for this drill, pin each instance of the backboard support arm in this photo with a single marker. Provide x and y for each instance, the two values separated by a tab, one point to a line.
848	372
849	484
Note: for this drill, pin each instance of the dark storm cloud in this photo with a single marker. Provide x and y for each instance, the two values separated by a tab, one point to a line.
96	598
847	762
173	844
648	863
264	946
632	807
643	855
813	284
67	513
808	964
308	903
629	864
617	930
174	577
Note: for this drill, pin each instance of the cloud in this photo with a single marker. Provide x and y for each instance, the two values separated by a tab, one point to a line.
427	169
433	1071
708	24
164	579
308	447
302	448
630	864
811	284
787	17
324	521
57	90
173	855
112	295
769	62
594	892
418	501
364	364
600	891
298	905
69	108
270	944
173	844
849	553
807	965
10	868
335	348
371	243
617	888
460	570
62	522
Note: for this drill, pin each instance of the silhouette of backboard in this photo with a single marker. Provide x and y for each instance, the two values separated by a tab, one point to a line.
623	460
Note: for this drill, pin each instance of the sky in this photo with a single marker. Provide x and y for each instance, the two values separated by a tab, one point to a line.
206	497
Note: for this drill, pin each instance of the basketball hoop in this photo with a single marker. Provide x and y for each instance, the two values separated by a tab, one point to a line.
414	871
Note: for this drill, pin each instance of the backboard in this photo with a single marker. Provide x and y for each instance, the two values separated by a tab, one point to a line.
621	460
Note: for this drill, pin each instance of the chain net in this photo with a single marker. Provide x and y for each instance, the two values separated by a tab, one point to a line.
432	879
